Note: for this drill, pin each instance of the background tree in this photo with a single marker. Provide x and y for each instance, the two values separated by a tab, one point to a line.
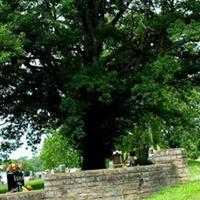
34	164
57	150
28	164
98	69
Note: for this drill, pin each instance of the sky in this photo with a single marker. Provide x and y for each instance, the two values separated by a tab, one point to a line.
26	151
21	152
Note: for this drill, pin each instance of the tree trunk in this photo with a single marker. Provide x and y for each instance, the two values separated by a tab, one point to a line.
94	146
93	153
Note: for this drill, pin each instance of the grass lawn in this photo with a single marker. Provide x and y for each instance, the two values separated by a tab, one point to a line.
187	191
3	189
35	184
194	169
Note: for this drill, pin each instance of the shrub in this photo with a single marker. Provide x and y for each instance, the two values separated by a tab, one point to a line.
37	184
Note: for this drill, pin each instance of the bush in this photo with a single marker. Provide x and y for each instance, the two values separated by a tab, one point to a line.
37	184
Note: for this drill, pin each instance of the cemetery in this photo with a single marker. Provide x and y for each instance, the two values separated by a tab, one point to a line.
169	168
103	95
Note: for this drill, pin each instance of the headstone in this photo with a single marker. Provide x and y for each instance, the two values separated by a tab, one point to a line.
31	174
15	181
131	161
151	152
110	164
62	168
15	177
117	159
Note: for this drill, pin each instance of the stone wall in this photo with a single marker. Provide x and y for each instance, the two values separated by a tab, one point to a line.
113	184
35	195
122	183
178	159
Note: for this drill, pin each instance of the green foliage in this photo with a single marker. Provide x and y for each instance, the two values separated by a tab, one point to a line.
163	117
97	70
36	184
57	150
10	44
34	164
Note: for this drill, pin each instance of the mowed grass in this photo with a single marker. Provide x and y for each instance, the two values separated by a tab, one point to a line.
187	191
3	188
37	184
194	169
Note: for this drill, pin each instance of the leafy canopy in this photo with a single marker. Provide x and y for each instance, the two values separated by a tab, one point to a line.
99	69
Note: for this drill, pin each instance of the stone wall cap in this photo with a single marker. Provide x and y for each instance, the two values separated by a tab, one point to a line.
102	172
9	194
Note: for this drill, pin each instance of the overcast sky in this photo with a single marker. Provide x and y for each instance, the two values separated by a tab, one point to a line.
21	152
24	151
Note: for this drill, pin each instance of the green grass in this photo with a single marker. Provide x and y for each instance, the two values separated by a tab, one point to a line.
3	189
187	191
37	184
194	169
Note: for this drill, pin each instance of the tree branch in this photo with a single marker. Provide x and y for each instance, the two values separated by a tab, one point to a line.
120	13
102	6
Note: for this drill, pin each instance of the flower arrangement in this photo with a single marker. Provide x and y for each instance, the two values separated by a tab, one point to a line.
14	167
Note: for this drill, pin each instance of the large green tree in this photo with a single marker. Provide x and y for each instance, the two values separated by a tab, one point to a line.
97	69
57	150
